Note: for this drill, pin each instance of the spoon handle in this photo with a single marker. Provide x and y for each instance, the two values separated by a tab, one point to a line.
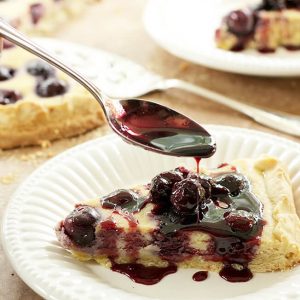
275	121
10	33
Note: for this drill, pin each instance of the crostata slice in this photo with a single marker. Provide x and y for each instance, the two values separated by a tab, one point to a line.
236	219
273	24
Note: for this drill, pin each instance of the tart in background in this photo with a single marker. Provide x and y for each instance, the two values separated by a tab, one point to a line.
39	103
273	24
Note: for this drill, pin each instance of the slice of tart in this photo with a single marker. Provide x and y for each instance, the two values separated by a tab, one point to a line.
265	28
38	103
234	219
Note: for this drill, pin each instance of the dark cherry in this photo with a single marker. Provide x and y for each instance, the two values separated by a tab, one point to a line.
118	198
186	196
40	68
234	183
51	87
205	182
240	22
82	236
9	97
79	225
161	186
85	215
37	11
240	220
6	73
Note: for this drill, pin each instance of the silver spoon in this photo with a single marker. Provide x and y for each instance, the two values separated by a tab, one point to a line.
139	122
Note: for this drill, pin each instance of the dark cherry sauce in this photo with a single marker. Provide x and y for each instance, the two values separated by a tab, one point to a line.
266	50
142	274
162	129
198	159
239	273
200	276
292	47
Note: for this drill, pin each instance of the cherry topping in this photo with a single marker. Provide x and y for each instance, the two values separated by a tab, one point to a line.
118	198
234	183
240	220
6	73
161	186
51	87
240	22
186	196
79	225
9	97
40	68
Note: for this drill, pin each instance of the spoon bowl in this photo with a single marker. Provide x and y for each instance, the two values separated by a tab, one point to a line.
142	123
161	129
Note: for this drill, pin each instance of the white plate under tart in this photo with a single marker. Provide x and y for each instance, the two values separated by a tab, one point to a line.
98	167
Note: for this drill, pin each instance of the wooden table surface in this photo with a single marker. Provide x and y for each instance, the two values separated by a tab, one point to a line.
116	26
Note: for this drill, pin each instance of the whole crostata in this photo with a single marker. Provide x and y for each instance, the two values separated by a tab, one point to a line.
236	219
273	24
38	103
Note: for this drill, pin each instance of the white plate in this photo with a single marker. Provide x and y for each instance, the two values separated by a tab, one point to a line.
186	28
98	167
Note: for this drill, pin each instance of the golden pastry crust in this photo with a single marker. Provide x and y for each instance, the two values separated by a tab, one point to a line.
280	241
33	119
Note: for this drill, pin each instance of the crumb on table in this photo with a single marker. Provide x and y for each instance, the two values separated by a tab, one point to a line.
8	179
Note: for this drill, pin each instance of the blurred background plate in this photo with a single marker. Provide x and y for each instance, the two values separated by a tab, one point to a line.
186	29
98	167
